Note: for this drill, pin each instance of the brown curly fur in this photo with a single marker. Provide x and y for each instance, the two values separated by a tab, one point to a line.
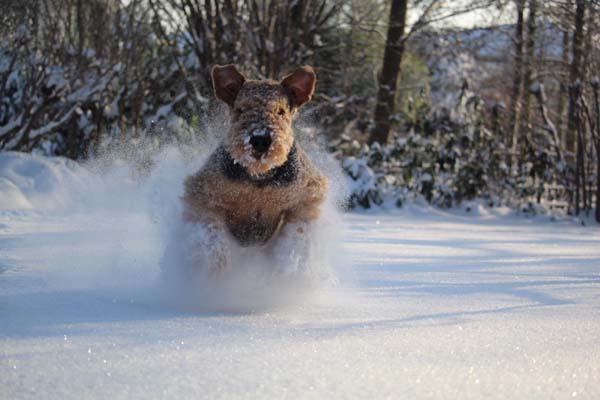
261	103
233	205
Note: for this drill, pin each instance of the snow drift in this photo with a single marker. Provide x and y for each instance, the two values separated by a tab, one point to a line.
30	182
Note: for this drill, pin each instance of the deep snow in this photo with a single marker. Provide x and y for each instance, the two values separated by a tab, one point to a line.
430	304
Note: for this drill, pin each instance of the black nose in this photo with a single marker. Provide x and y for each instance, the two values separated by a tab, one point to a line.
261	143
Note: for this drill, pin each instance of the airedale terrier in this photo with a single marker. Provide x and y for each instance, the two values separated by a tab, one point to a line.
259	185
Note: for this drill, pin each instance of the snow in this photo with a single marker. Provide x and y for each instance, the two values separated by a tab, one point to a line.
430	304
33	182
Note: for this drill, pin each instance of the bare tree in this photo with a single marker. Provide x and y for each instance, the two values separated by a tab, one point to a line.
388	80
430	12
575	71
563	92
517	90
199	26
538	91
595	86
529	67
287	33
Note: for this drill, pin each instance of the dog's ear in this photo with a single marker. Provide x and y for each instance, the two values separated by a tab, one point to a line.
227	82
301	84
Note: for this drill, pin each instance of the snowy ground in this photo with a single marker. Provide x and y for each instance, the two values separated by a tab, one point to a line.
430	305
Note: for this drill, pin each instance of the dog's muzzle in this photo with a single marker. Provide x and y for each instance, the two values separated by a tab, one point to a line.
261	141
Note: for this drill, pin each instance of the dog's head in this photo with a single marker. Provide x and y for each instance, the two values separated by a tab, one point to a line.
261	112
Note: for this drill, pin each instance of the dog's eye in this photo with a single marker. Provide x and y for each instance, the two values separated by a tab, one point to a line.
281	112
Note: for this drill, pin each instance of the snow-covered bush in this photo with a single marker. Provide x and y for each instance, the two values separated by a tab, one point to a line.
40	97
368	187
445	157
59	100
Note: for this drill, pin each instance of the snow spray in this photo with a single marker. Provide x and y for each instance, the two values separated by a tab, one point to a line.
132	229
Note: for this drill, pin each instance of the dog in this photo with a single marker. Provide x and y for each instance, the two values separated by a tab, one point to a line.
259	186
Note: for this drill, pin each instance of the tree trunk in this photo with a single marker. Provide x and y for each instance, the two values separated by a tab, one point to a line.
595	86
548	126
80	31
563	93
528	68
575	98
575	72
388	80
517	82
587	56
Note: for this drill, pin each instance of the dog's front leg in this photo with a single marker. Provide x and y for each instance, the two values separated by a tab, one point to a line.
217	248
297	246
292	248
207	245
